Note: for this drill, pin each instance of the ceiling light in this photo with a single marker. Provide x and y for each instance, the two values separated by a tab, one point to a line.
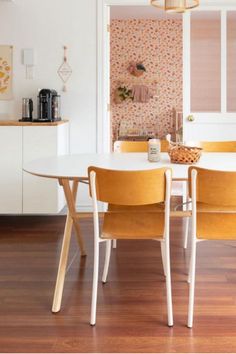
175	5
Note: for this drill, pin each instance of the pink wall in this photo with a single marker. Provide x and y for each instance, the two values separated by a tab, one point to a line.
158	44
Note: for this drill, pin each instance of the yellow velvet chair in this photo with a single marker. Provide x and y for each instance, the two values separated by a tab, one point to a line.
213	195
139	208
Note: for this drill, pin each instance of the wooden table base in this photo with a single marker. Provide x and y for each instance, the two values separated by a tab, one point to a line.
72	219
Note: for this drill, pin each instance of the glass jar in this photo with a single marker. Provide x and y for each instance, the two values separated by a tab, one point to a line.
154	150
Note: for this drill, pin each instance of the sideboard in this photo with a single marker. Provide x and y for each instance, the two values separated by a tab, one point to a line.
20	143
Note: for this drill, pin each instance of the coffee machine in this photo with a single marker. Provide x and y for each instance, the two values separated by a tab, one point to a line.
49	106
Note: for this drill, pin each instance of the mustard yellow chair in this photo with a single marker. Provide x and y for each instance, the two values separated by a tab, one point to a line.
214	146
138	208
178	188
137	146
213	195
210	146
218	146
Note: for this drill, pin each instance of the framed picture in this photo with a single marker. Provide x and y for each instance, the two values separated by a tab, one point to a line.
6	72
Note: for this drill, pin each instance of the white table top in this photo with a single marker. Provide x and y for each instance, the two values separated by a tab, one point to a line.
74	166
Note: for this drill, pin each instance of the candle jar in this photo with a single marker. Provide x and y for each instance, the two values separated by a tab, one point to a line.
154	150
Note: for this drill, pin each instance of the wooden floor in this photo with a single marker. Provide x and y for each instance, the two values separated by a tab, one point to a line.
131	306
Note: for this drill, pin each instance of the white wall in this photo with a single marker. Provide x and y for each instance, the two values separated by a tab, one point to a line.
46	26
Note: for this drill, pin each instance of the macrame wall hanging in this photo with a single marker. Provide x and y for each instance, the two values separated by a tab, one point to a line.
65	70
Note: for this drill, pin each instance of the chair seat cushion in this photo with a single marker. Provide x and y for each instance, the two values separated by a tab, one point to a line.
133	222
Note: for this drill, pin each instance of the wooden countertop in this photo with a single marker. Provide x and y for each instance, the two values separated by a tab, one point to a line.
16	123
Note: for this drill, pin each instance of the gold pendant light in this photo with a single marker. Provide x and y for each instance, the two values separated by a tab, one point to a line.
175	5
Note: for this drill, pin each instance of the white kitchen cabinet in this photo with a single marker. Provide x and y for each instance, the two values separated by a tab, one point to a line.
10	170
22	193
43	195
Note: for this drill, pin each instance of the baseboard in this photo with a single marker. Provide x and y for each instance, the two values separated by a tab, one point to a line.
84	208
89	209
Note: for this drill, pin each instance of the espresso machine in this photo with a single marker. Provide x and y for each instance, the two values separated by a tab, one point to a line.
49	106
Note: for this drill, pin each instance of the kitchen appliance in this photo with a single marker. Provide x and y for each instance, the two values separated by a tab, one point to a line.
27	110
49	106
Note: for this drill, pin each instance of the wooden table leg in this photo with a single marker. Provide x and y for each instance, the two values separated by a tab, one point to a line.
72	208
56	306
71	201
71	217
79	237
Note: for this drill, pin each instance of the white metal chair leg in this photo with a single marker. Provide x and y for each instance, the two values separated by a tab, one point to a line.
189	270
163	256
186	231
107	261
192	284
185	194
114	243
168	286
95	283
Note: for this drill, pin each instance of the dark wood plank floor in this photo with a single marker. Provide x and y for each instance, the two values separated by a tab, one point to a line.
131	306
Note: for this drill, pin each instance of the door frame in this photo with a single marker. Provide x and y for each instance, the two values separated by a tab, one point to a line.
103	68
103	60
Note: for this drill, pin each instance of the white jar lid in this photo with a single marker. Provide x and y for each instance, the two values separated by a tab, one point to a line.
154	141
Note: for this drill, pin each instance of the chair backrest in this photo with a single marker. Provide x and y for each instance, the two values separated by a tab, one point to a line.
214	187
218	146
213	196
137	146
130	187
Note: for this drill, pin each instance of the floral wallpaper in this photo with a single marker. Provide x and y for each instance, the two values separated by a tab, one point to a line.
158	45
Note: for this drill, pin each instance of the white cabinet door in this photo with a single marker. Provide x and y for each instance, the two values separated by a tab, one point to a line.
209	44
42	195
10	170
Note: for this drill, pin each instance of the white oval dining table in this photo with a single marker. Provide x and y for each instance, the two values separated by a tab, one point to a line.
74	168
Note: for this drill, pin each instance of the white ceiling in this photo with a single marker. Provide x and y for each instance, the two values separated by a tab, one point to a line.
140	12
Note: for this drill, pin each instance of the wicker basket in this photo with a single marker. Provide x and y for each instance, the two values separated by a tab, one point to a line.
184	154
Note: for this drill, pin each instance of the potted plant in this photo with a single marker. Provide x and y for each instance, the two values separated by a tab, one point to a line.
122	93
